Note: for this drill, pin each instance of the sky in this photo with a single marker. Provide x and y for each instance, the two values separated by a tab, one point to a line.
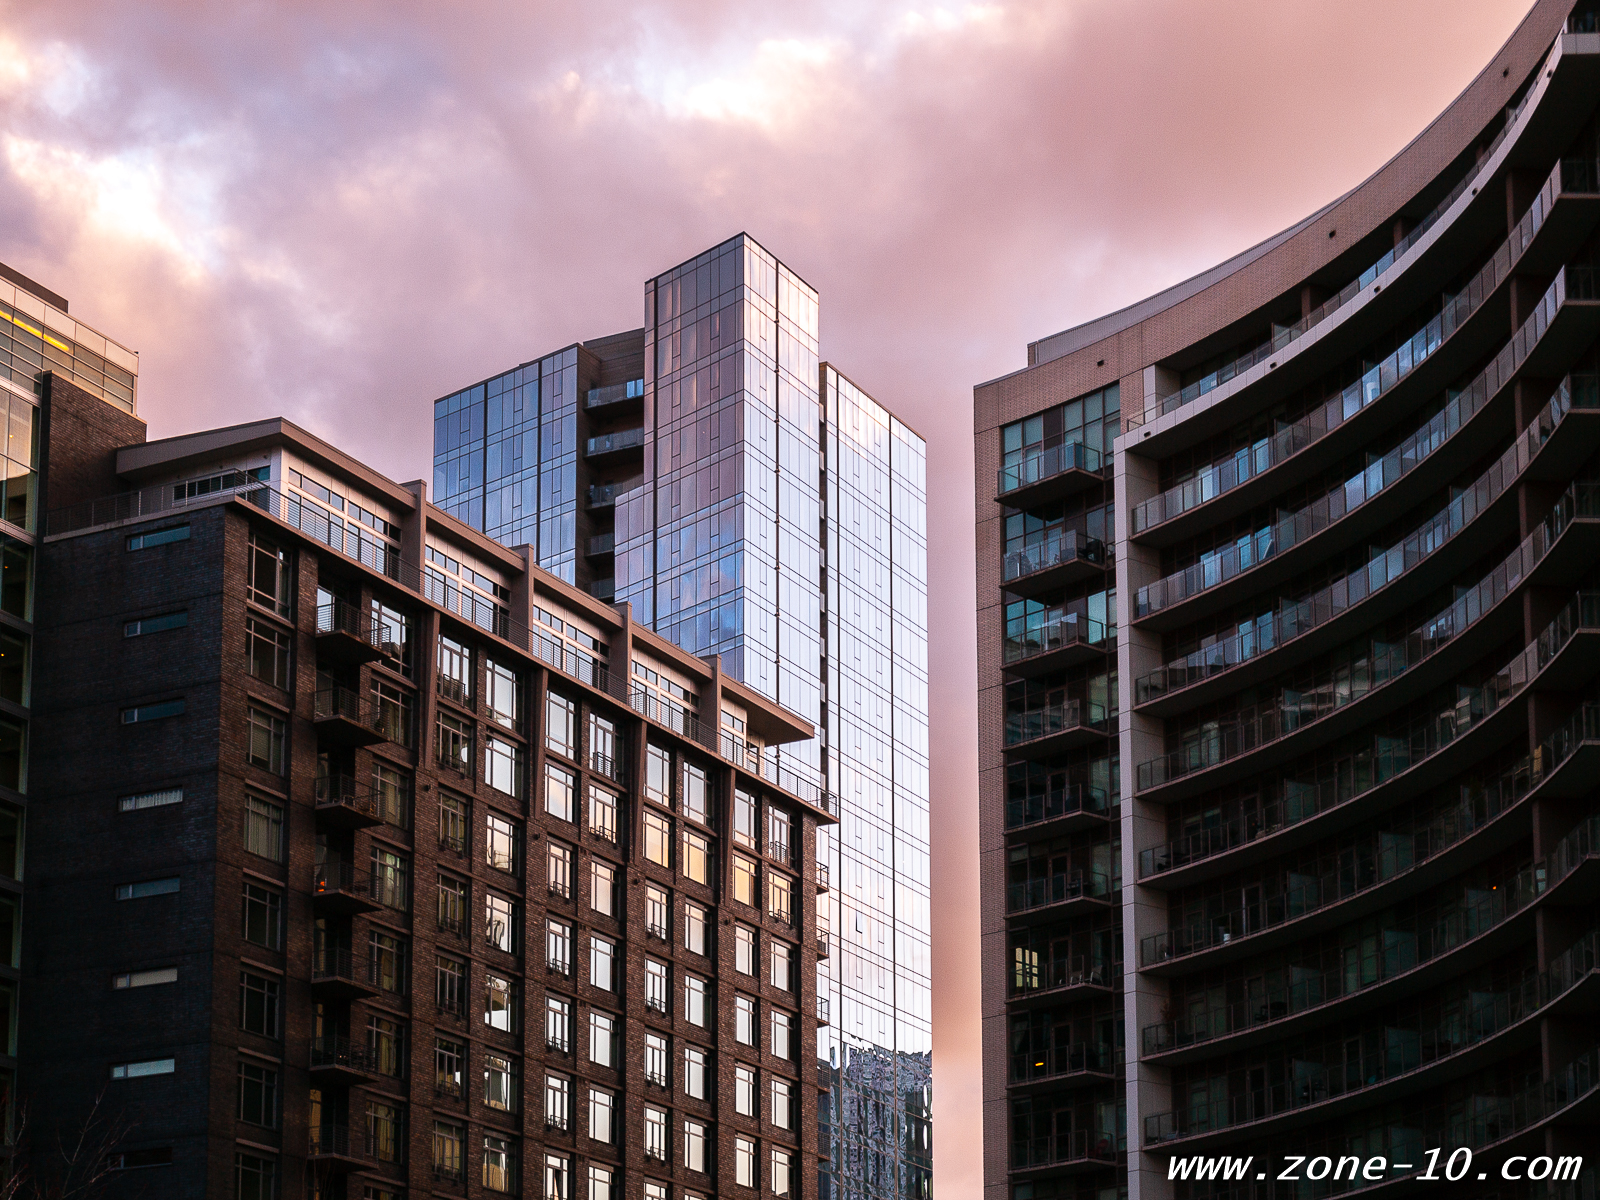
338	212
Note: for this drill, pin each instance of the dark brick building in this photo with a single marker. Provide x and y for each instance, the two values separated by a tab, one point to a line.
367	861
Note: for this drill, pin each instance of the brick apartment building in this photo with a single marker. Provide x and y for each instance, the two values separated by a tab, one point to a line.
368	861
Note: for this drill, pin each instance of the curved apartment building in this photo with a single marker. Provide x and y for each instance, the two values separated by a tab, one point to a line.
1289	610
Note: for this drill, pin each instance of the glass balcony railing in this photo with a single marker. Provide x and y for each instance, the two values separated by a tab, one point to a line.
1057	1062
1285	336
1059	634
625	439
1031	976
1577	391
1040	891
1059	716
614	393
1060	1149
1051	803
1299	527
1402	1046
1245	464
1057	460
1060	549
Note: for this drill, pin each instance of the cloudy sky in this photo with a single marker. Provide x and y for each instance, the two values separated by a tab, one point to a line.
337	212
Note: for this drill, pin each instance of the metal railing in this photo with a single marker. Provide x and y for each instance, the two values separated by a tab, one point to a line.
1071	456
342	617
1059	549
342	1052
337	1141
331	964
339	878
1058	1149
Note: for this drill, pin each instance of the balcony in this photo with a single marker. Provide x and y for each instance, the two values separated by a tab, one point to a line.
347	634
1050	728
1057	896
341	805
1057	1064
823	950
344	717
1065	642
1050	475
339	1148
340	1061
1066	556
337	887
614	446
1066	1153
601	545
336	974
616	396
1553	226
1055	812
1061	978
823	877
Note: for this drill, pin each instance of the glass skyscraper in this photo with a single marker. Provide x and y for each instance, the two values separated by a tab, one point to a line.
750	501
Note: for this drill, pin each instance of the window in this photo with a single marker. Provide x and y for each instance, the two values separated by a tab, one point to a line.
258	1004
558	1179
499	1164
452	823
149	1066
500	1082
449	1058
782	1114
657	839
455	671
148	887
694	1072
558	1024
450	984
391	706
561	726
139	979
602	958
603	888
558	867
263	828
695	995
694	929
267	574
266	740
654	1191
744	950
782	1027
502	765
696	857
782	1173
744	1091
557	1101
744	1020
602	813
656	915
258	1095
262	916
655	1134
558	793
744	1162
600	1183
778	829
744	880
693	803
152	712
391	789
150	799
503	700
449	1147
453	743
558	946
744	819
388	957
601	1103
452	904
658	775
394	629
158	537
383	1131
144	625
782	975
694	1145
780	897
386	1040
391	878
655	1059
501	1001
602	1039
501	921
603	755
501	842
655	985
254	1177
266	653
